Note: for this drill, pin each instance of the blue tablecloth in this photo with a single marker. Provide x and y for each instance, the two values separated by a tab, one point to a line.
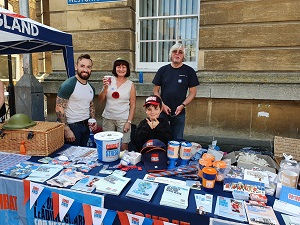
153	208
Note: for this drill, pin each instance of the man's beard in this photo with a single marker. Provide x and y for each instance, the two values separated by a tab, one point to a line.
84	77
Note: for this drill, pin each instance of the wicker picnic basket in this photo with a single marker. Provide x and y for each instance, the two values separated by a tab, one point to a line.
40	140
290	146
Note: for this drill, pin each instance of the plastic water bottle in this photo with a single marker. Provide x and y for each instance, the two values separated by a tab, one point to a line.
141	77
91	143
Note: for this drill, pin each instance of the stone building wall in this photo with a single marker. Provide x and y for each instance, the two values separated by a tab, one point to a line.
248	64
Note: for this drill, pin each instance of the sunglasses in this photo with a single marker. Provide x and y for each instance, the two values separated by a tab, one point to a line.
177	52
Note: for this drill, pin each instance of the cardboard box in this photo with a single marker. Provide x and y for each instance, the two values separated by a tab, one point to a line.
273	165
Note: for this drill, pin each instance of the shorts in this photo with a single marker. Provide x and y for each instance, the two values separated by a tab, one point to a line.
116	125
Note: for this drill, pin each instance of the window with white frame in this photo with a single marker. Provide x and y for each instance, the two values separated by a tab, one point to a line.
162	23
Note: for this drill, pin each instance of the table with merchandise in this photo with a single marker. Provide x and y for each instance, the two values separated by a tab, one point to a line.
72	187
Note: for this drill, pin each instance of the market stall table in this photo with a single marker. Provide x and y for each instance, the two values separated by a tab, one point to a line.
153	209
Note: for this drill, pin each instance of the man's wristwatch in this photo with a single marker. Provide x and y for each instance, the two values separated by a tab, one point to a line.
128	121
183	105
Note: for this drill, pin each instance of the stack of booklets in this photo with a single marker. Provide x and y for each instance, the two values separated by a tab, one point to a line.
175	196
111	184
142	189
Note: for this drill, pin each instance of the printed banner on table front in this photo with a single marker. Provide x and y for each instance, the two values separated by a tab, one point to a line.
14	212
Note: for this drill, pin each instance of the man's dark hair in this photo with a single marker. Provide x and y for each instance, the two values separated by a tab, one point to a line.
84	56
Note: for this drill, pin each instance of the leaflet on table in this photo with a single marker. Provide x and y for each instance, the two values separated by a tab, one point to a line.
286	208
255	175
231	184
260	215
142	189
66	178
290	195
215	221
235	172
193	184
111	184
288	220
164	180
21	170
44	172
204	202
175	196
86	184
230	208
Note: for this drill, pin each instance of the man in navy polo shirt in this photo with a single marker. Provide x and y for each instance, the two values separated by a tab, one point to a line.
174	81
74	103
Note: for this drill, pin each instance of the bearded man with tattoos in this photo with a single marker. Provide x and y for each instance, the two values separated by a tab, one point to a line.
74	103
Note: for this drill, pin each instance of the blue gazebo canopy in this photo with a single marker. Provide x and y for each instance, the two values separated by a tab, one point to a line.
19	35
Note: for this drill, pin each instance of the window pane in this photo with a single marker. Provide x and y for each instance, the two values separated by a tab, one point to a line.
167	29
148	52
148	8
148	29
190	49
167	7
187	28
164	47
188	7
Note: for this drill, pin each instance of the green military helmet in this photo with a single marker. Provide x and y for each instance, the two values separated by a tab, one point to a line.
18	121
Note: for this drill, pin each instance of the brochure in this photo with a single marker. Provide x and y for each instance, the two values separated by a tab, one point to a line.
21	170
193	184
175	196
142	190
255	175
44	172
215	221
260	214
231	184
286	208
66	177
111	184
230	208
86	184
164	180
204	202
288	220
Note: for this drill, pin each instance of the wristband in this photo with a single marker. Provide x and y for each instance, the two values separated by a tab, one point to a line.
128	121
183	105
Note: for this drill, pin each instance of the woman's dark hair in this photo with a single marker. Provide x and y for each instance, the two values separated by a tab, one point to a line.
119	62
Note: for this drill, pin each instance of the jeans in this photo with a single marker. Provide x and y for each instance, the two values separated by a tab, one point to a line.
81	132
177	124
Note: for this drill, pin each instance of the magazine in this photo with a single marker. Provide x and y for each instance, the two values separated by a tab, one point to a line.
142	190
21	170
86	184
230	208
231	184
215	221
260	215
194	184
175	196
111	184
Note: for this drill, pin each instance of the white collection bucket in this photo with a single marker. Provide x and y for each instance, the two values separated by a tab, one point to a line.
108	145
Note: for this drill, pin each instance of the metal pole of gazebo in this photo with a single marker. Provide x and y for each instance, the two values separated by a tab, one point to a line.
10	88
